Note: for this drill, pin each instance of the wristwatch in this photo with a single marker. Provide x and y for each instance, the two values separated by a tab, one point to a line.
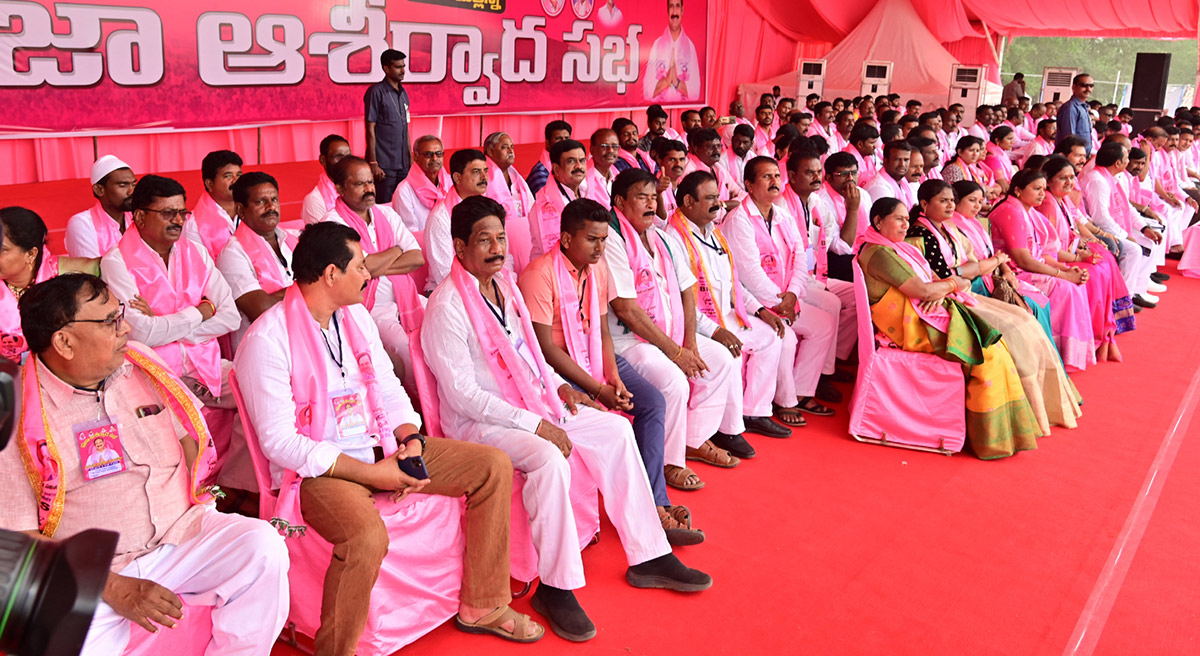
414	436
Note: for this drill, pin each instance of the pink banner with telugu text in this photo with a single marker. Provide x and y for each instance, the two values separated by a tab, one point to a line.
167	63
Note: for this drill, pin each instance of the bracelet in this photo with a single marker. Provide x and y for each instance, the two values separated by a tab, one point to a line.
413	436
595	395
331	468
210	304
678	355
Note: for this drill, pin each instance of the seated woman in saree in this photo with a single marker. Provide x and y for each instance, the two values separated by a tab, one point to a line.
967	165
949	252
914	310
24	261
998	150
1031	243
1003	284
1108	297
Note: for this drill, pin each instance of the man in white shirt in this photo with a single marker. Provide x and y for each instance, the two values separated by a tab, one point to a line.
822	125
740	153
93	231
862	142
609	14
507	187
672	161
704	154
320	200
892	182
601	165
425	184
468	172
523	414
843	206
342	473
568	181
1043	143
726	311
773	264
211	223
179	302
653	326
673	67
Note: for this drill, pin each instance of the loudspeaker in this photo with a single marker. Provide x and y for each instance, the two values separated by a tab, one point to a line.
1150	80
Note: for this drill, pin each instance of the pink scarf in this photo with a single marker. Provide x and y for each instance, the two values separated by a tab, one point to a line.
867	168
778	266
904	191
310	391
450	200
718	171
40	453
1118	203
169	292
425	190
108	232
12	339
517	199
949	254
267	267
642	265
980	240
705	300
213	224
940	317
998	160
597	186
632	159
763	141
518	384
328	191
548	213
839	209
584	346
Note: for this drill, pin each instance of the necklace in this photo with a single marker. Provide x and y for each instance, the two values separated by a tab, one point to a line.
17	292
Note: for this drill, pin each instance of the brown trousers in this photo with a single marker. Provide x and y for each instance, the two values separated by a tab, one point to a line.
344	513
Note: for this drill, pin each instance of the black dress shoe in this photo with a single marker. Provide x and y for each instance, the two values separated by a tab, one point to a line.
1175	256
765	426
1136	309
1159	277
1141	302
668	573
562	610
735	444
827	392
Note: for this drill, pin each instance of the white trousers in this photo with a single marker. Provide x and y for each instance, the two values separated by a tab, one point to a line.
827	302
847	335
236	564
696	407
395	342
1135	266
761	349
808	350
605	443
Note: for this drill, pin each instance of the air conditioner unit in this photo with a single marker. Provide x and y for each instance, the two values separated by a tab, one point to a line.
1056	83
966	88
810	78
876	78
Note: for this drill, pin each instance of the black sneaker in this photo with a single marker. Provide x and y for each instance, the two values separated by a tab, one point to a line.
562	610
765	426
1159	278
668	573
734	444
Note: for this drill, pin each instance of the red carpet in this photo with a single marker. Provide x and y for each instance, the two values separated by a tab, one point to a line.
822	545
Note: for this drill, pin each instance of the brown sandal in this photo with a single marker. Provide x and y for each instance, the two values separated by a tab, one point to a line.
523	626
709	453
677	477
677	523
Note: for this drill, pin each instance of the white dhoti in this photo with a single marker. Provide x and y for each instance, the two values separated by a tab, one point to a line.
605	443
808	350
826	301
696	407
847	332
1136	266
236	564
395	342
761	349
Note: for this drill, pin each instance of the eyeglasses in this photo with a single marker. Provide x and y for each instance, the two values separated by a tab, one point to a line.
112	322
433	154
845	174
608	147
1087	85
171	215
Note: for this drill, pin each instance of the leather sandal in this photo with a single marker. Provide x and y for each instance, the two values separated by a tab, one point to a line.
677	477
708	453
679	531
490	624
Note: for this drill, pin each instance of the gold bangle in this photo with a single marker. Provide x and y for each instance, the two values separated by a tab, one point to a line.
331	468
678	355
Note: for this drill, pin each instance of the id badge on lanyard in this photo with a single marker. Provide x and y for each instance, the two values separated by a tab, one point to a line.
350	419
100	450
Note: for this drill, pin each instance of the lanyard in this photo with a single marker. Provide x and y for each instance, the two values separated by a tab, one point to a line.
714	246
337	359
497	312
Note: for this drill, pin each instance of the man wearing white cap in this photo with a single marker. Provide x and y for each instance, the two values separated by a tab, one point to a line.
95	230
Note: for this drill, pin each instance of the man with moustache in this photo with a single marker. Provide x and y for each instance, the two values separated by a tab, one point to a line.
554	132
653	325
704	154
1043	143
425	184
740	153
211	224
783	111
631	153
656	126
916	169
772	262
673	68
386	110
672	160
93	231
320	200
843	206
601	166
930	154
567	293
689	120
982	127
737	111
507	187
764	129
708	117
179	302
569	181
495	388
892	182
1073	118
468	171
726	311
393	252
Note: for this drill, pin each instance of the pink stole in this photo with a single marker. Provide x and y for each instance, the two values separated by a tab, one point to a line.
718	171
310	391
548	213
267	267
642	265
903	190
585	346
108	232
213	224
821	251
778	266
705	300
997	160
762	140
328	191
1118	203
597	187
632	159
949	254
40	452
12	339
424	189
839	208
517	199
867	168
512	372
169	292
980	240
939	318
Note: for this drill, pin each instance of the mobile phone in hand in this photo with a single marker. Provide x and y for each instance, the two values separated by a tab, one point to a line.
414	466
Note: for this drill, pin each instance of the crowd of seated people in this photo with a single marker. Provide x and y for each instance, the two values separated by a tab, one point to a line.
642	306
